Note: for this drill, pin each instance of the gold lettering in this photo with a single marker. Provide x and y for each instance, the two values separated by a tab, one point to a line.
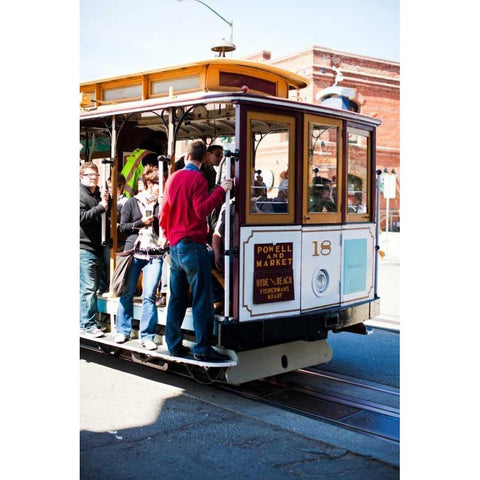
262	282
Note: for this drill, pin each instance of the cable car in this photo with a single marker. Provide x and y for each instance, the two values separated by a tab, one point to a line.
301	241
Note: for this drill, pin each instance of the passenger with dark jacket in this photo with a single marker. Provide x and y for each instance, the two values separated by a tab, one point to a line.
92	205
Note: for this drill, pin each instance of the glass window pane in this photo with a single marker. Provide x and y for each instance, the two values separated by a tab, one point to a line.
357	180
269	173
121	93
322	168
177	84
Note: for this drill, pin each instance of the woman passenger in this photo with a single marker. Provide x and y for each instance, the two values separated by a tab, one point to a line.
139	212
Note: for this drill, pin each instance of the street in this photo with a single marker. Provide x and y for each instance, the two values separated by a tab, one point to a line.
138	423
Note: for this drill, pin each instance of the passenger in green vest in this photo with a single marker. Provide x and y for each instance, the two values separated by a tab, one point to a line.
146	154
133	169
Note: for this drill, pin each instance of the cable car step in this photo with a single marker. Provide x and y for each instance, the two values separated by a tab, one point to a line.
134	345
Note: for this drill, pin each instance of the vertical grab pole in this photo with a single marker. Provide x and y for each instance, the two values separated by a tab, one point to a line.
104	171
227	242
171	139
160	160
377	231
113	218
104	214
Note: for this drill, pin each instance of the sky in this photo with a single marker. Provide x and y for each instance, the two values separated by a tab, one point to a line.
125	36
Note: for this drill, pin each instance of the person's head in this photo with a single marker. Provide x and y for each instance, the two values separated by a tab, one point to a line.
214	155
89	175
282	193
150	182
120	183
322	187
353	198
156	142
196	151
283	187
258	188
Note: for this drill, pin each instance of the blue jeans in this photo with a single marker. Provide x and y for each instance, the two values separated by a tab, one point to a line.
152	272
190	265
90	271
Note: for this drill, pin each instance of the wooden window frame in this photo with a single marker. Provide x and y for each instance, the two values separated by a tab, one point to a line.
369	215
319	217
271	218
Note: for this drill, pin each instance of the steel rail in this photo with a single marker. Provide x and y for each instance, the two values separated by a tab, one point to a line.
360	407
337	378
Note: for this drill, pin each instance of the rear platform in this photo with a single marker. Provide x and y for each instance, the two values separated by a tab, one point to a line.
161	352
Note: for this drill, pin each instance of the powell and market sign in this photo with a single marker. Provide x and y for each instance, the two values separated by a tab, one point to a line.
273	272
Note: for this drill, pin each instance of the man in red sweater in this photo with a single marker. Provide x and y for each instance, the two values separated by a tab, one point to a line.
186	204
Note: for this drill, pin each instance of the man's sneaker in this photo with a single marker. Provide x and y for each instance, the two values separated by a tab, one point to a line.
120	338
211	356
95	332
149	345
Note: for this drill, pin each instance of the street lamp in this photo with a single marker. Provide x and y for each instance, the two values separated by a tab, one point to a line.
224	46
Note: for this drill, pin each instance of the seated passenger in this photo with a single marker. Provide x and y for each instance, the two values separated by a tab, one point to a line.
280	203
354	203
284	180
321	199
260	203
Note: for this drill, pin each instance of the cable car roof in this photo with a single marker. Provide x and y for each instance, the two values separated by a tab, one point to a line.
214	75
256	70
219	81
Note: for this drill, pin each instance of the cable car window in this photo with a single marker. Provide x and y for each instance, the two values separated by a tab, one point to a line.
271	148
322	171
190	82
358	185
128	92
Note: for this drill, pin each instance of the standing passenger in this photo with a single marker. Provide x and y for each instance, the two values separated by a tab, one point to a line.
186	204
92	205
213	159
139	212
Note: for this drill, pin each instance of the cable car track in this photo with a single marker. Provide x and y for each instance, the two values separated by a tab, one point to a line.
355	405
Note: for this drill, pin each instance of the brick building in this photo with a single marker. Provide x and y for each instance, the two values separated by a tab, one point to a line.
368	85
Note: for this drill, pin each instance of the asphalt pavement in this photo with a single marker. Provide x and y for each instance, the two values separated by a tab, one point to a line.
138	424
